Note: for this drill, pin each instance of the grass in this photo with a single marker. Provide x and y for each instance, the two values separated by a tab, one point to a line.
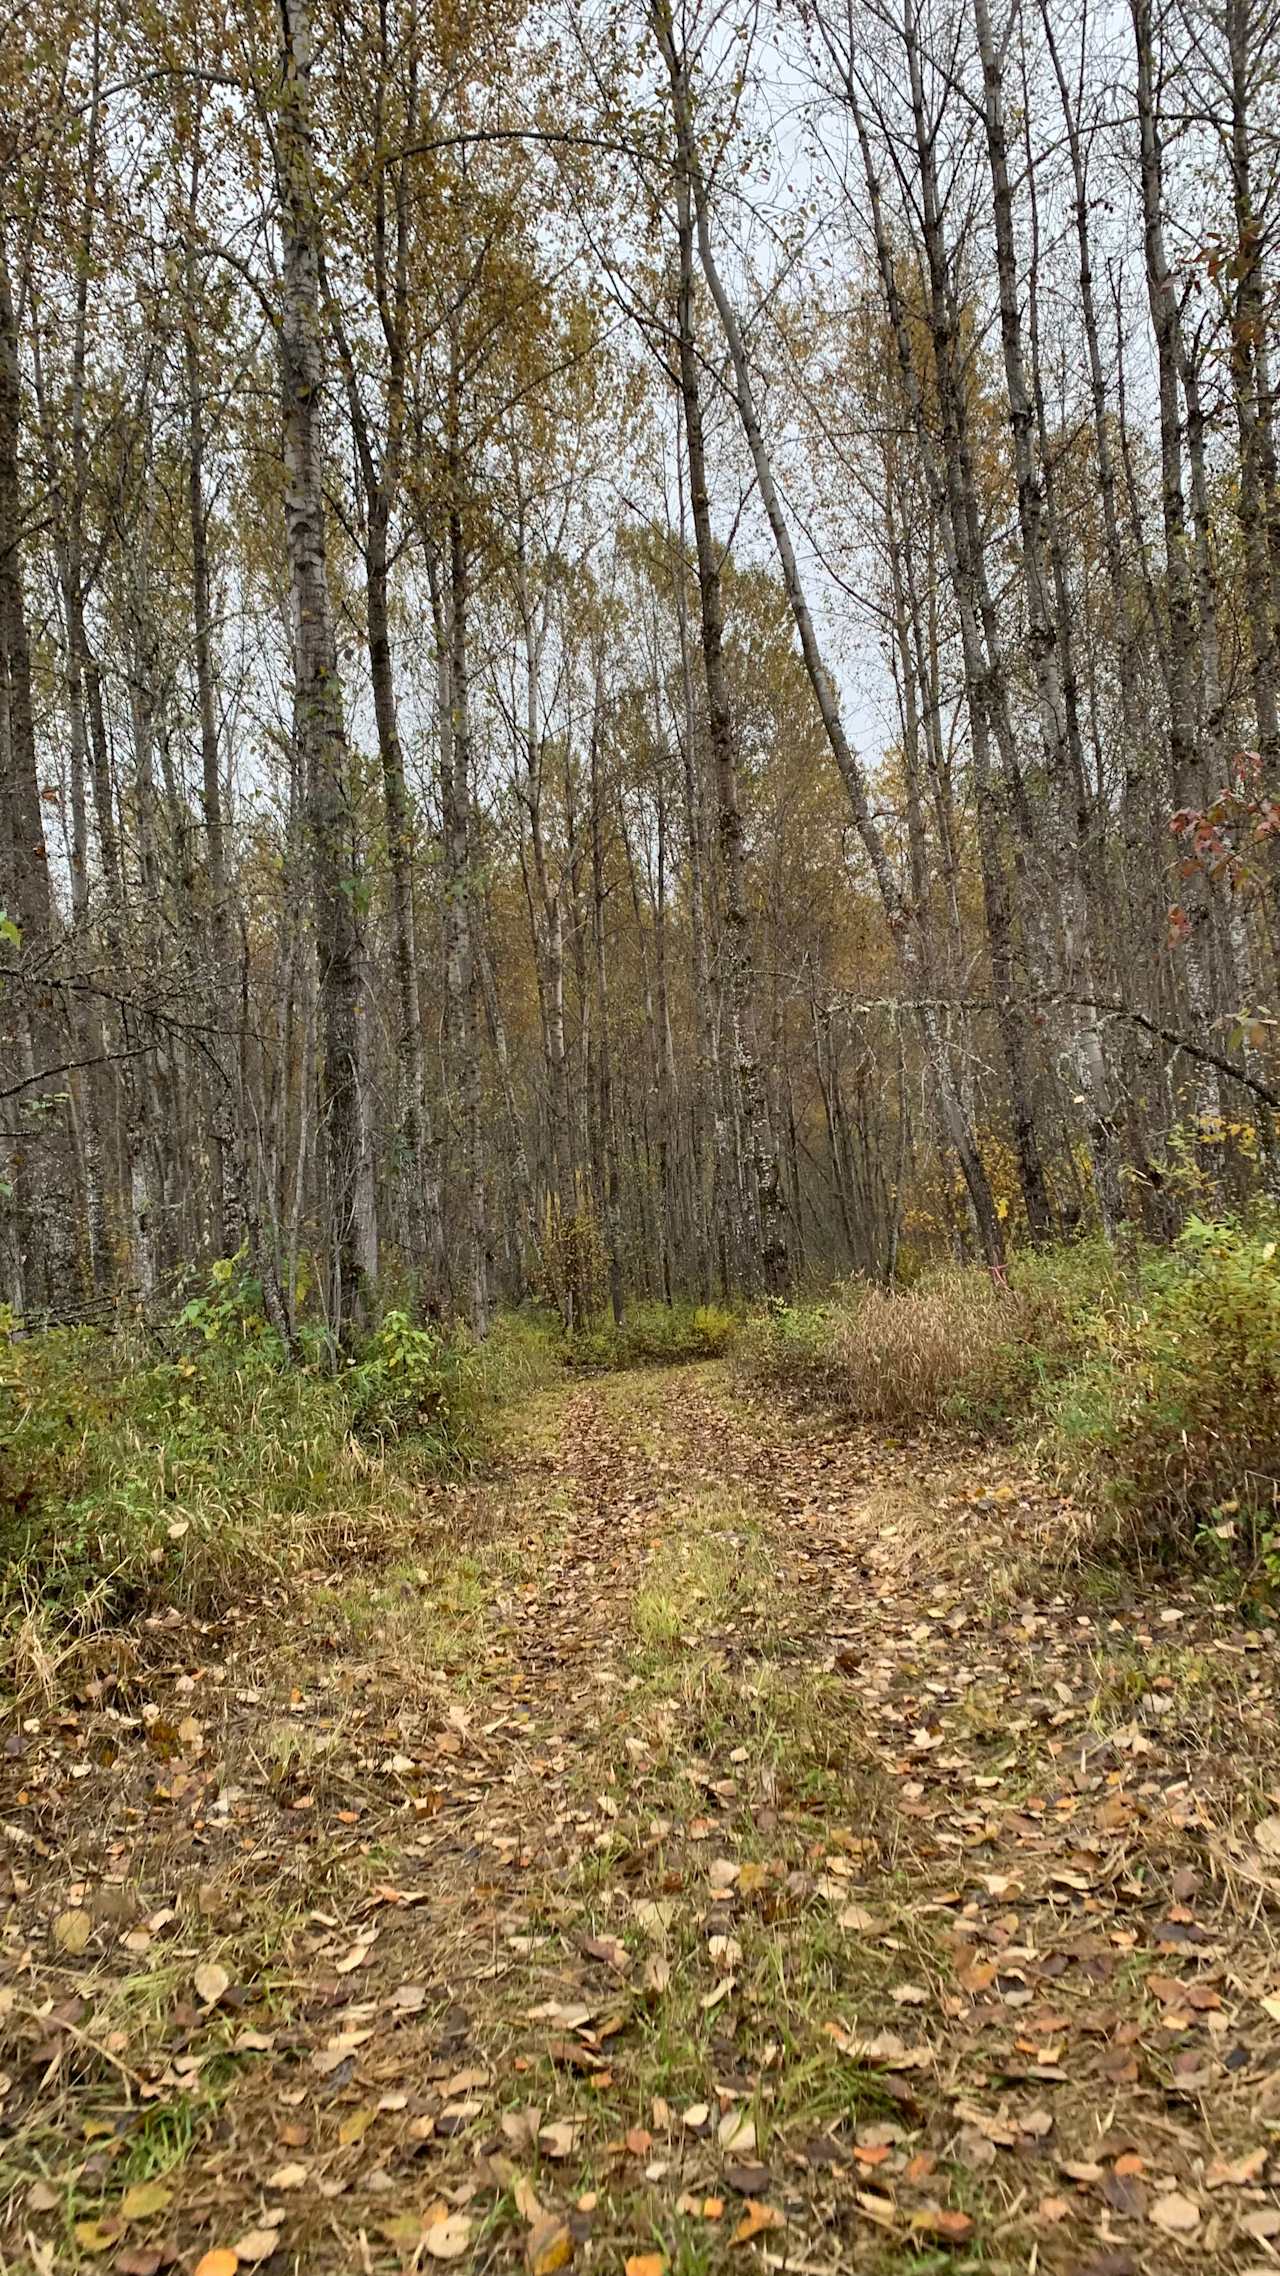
1146	1379
204	1468
654	1335
709	1572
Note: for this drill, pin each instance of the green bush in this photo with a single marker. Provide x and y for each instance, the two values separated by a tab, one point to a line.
655	1335
1172	1421
410	1383
192	1472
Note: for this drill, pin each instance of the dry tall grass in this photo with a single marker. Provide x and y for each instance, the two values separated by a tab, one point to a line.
900	1357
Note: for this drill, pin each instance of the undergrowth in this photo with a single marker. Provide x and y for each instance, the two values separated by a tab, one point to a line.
1148	1377
192	1466
654	1335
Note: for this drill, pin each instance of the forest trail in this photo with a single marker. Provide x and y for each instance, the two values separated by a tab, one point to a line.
719	1840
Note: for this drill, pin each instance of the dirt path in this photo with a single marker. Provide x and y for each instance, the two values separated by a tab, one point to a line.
716	1839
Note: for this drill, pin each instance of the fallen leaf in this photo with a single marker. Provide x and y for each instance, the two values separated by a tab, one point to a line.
548	2246
527	2202
72	1931
560	2138
646	2264
212	1983
144	2199
1237	2173
1175	2213
99	2236
756	2219
448	2239
288	2176
736	2133
1267	1835
259	2244
609	1950
220	2262
940	2221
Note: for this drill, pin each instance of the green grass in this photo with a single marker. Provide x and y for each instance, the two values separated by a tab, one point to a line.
205	1467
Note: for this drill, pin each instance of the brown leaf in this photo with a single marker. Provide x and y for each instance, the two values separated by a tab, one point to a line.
560	2139
939	2221
521	2126
1176	2214
259	2244
1267	1835
1126	2194
527	2201
212	1983
1237	2173
609	1950
548	2246
448	2239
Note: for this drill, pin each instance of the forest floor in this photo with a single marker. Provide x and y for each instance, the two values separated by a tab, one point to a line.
712	1839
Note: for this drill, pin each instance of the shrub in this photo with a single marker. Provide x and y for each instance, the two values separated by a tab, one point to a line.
956	1346
410	1383
190	1475
655	1335
890	1357
1173	1420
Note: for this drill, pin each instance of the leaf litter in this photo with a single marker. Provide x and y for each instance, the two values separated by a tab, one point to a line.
860	1911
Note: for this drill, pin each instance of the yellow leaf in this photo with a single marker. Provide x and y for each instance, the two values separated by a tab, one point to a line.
646	2264
72	1930
99	2236
222	2261
548	2246
144	2199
